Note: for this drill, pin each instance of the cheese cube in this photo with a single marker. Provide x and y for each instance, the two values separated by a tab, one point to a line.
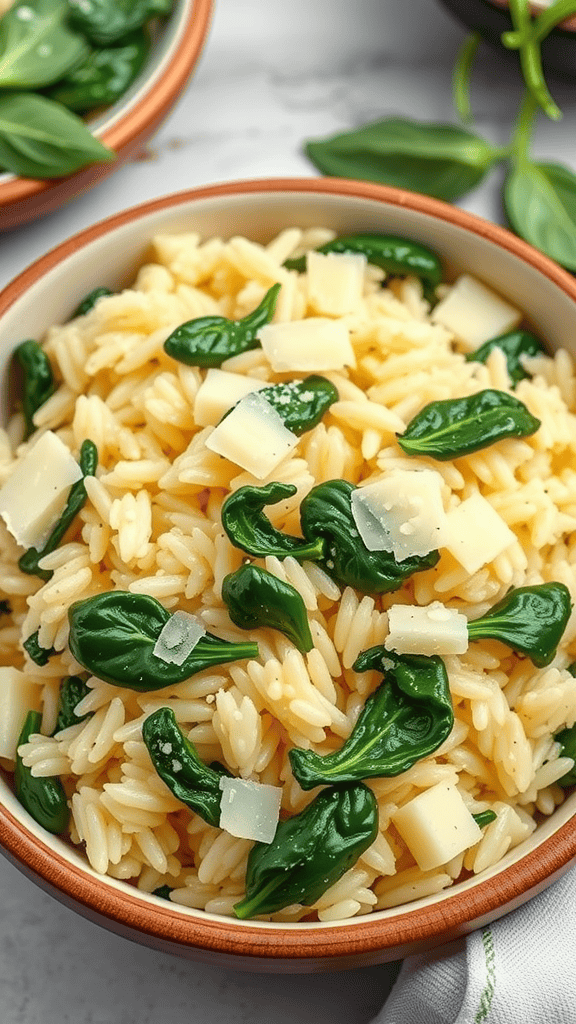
219	392
436	826
253	436
249	810
34	495
474	313
403	513
434	629
476	533
335	281
18	696
313	344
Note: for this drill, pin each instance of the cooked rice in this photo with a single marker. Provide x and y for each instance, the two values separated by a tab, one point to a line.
151	525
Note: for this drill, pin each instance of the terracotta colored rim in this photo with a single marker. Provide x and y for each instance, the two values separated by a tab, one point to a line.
568	25
404	932
127	130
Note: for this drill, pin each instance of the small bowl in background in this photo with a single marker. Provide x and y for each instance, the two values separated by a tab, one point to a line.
109	253
491	18
126	125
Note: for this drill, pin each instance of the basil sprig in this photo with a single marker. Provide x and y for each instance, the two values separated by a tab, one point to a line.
43	797
515	345
248	528
454	427
406	719
37	46
28	562
113	635
209	340
441	160
255	598
177	763
310	851
41	139
529	620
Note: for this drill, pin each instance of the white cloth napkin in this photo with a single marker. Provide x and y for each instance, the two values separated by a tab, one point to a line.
519	970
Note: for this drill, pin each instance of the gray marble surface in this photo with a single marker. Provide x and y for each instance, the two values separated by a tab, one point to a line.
272	74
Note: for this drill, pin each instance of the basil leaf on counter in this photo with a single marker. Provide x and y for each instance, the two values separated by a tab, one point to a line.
106	21
41	139
406	719
36	45
540	202
458	426
440	160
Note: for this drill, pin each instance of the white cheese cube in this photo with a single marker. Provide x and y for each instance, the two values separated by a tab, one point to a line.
253	436
434	629
34	495
335	281
476	533
219	392
18	696
436	826
403	513
178	638
249	810
474	313
313	344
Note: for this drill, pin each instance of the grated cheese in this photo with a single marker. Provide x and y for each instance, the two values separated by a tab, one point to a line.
403	513
249	810
434	629
178	638
253	436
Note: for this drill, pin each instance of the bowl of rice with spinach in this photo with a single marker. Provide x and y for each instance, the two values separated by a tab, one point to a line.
287	520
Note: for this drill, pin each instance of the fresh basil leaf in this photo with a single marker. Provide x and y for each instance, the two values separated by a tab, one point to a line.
41	139
36	45
440	160
406	719
106	21
540	203
103	76
515	345
112	635
458	426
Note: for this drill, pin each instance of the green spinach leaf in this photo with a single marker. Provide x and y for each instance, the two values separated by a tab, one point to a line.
458	426
515	345
103	76
406	719
249	529
36	45
301	403
255	598
38	380
73	689
484	818
38	654
112	635
530	620
90	300
310	851
44	797
397	256
106	21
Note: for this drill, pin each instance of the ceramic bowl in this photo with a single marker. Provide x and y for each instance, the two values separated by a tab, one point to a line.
109	254
492	17
126	125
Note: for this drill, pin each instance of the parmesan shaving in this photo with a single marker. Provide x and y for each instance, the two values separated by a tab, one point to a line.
434	629
249	810
178	638
403	513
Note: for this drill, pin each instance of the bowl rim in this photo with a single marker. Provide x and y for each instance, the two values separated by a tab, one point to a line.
156	95
166	925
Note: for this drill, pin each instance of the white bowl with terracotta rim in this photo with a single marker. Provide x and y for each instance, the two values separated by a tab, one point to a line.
47	292
126	125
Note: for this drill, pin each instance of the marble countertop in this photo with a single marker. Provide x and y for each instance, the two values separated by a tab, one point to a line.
272	75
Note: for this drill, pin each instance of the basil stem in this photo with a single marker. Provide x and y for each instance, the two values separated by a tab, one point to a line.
76	500
103	76
301	403
90	300
326	514
524	39
106	21
397	256
113	635
310	851
38	654
530	620
515	345
43	798
484	818
210	340
249	529
406	719
458	426
38	380
255	598
461	75
175	759
73	689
